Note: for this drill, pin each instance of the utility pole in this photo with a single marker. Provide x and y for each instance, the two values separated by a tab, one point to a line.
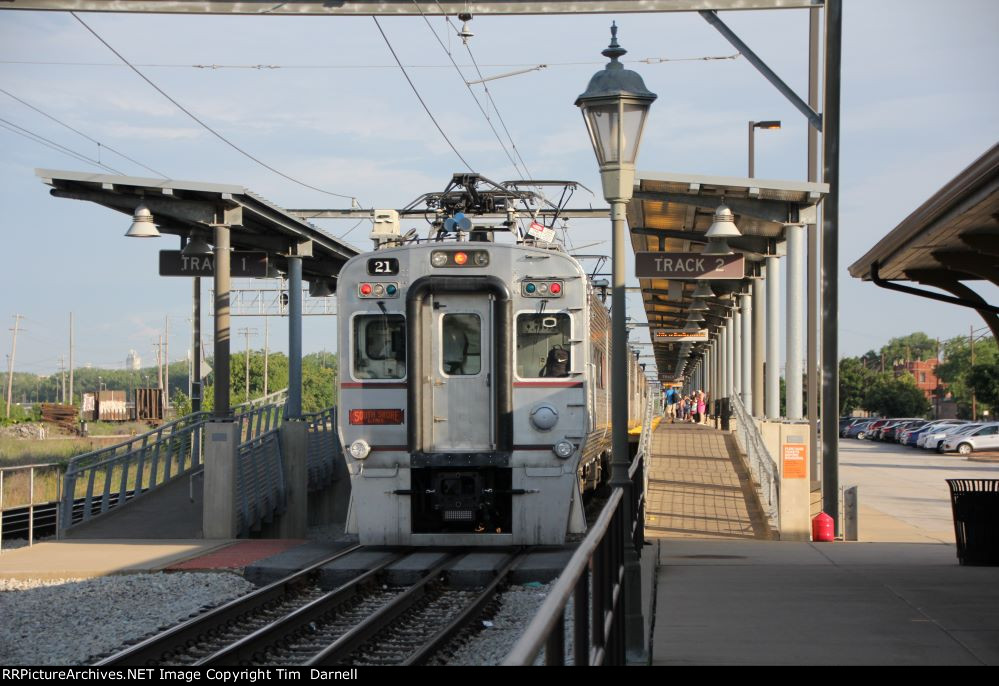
267	328
166	364
62	373
971	341
10	369
245	331
70	358
159	362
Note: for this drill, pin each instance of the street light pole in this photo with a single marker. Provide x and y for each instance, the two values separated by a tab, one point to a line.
614	107
753	125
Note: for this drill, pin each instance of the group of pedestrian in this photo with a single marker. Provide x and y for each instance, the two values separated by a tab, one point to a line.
685	408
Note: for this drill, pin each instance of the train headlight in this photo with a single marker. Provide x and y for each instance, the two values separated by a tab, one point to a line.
359	449
544	417
563	449
438	259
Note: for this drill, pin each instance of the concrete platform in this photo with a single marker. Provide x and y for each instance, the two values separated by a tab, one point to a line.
782	603
84	559
283	563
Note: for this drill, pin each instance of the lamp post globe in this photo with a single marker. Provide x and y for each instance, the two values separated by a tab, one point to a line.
615	106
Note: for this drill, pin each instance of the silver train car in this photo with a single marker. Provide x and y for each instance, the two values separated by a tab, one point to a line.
474	393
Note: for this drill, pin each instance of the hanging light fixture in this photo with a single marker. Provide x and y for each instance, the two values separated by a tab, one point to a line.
695	316
698	305
703	290
320	288
142	224
197	246
722	228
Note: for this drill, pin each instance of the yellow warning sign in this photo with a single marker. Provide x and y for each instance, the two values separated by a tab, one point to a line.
795	456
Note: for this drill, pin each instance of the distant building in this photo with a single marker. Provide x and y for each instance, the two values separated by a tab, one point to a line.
925	374
133	362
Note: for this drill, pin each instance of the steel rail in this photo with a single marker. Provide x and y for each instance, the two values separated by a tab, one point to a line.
253	645
473	610
366	630
153	649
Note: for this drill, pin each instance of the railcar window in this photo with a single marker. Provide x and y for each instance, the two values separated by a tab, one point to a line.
379	346
543	347
461	344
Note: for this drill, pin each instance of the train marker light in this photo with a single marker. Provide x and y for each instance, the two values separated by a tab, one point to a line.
563	449
556	288
460	258
391	289
359	449
365	289
530	288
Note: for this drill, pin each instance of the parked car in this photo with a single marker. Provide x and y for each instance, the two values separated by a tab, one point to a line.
935	438
917	434
902	435
858	430
985	437
890	432
938	427
873	426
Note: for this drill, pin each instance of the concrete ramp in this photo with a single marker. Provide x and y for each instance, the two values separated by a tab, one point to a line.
699	486
166	512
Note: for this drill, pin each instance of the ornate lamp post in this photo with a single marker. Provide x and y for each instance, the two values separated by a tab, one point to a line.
614	107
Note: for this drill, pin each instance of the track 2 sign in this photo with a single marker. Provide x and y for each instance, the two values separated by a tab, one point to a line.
688	265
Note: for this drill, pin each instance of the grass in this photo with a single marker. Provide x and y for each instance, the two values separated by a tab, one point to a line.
18	452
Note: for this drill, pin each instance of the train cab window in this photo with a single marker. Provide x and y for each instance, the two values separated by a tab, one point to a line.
379	346
461	344
543	345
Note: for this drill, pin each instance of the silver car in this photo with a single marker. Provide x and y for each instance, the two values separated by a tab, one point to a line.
936	433
936	440
985	437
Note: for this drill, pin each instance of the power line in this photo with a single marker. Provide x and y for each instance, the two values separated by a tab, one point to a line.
273	67
203	124
418	96
37	138
469	87
92	140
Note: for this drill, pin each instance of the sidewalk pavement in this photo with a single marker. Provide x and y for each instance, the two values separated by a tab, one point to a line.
723	598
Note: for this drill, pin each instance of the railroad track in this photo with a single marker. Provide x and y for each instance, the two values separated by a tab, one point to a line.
294	622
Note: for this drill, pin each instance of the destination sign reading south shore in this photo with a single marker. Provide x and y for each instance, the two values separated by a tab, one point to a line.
688	265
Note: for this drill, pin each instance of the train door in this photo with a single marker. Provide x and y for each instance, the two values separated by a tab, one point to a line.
461	373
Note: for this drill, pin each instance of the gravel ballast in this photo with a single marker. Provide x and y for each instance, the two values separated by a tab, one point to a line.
75	621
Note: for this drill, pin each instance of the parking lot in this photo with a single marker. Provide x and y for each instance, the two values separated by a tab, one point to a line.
905	489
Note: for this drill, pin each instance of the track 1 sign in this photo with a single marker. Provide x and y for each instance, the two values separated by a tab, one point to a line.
688	265
242	264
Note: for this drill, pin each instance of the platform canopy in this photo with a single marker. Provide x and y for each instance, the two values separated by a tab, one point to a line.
183	207
670	213
952	238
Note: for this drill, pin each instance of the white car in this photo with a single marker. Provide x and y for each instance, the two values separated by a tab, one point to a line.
985	437
936	438
939	431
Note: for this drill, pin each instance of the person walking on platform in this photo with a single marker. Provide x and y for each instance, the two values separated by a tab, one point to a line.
671	401
702	407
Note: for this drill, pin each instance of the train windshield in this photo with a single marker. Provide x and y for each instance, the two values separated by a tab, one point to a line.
543	345
379	346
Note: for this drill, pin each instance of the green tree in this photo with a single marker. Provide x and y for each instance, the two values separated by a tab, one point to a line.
915	346
955	369
896	397
855	382
983	379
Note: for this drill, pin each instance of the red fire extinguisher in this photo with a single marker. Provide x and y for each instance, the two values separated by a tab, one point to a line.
822	528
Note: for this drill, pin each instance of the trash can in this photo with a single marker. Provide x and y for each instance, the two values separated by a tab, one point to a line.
976	520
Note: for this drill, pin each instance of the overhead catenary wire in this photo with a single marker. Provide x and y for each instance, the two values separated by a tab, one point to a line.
470	90
203	124
37	138
418	96
76	131
271	67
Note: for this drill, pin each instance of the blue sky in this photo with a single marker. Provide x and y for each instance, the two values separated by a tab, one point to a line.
918	106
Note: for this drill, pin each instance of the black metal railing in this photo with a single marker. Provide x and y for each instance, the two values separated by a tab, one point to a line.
596	581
